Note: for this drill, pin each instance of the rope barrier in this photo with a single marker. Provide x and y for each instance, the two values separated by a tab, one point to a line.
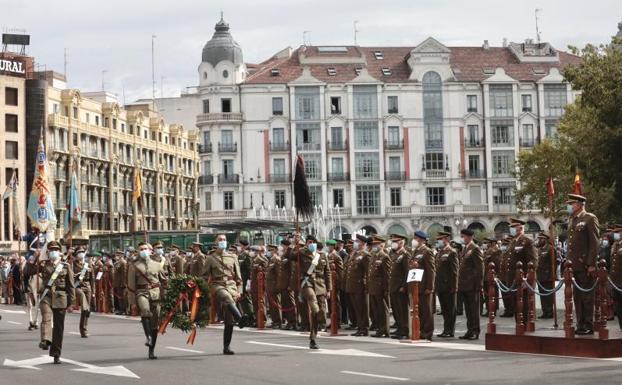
533	290
544	289
504	288
614	285
582	289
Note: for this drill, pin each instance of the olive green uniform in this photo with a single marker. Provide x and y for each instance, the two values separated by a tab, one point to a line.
54	304
398	289
378	278
447	286
84	281
470	280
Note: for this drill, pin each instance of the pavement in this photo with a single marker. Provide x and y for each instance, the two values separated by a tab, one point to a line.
115	354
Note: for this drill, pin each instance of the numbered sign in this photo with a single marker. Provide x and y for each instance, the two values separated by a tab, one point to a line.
99	275
415	275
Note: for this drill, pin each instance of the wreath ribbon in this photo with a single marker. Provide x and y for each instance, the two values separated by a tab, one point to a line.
194	310
171	313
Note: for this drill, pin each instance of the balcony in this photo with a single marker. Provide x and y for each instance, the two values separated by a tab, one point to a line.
436	209
435	174
337	146
394	145
395	175
280	178
309	147
527	142
279	146
205	148
399	211
475	174
509	208
338	176
219	117
227	147
475	208
228	179
473	143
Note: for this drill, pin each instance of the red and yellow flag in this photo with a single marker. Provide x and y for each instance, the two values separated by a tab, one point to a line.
577	188
137	190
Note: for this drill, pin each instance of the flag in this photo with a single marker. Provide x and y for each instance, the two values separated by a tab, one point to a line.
11	192
40	205
577	188
137	188
550	187
11	188
73	215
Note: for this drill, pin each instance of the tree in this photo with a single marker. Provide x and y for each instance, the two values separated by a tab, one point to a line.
589	139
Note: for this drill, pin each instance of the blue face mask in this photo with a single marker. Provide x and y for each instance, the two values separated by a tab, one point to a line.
439	244
144	254
268	254
513	231
159	251
312	247
605	242
616	236
54	255
222	245
569	209
504	248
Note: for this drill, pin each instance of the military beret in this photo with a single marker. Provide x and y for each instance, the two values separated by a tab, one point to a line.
421	234
311	238
467	232
285	242
516	222
320	245
197	244
576	198
346	236
53	245
361	238
95	254
118	252
243	242
272	247
443	234
398	237
378	238
176	247
331	242
617	228
340	241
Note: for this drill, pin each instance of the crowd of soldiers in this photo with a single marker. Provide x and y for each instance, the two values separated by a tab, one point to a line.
294	283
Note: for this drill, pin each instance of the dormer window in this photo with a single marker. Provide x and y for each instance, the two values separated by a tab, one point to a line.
331	71
275	72
378	55
386	71
357	70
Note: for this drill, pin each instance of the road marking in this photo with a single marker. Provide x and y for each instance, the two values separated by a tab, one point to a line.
13	311
14	323
74	333
332	352
185	350
277	345
374	375
31	363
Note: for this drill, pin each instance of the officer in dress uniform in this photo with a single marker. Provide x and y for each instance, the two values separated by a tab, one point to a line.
583	244
356	284
259	262
336	263
615	272
176	259
56	297
447	282
348	260
491	255
84	281
378	279
470	280
119	283
144	279
426	261
272	277
544	273
522	249
246	266
222	269
286	283
503	274
398	287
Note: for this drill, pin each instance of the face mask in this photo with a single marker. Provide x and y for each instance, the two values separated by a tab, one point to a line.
159	252
104	259
144	254
604	242
513	231
504	248
616	236
395	245
414	244
251	254
189	254
375	249
54	255
81	256
268	254
460	241
356	246
127	254
569	209
280	249
312	247
439	244
222	245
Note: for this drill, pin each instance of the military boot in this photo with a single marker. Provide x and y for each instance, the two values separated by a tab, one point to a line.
147	329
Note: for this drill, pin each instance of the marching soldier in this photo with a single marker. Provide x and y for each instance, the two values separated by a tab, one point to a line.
336	264
286	282
447	283
145	276
545	272
246	266
119	283
84	281
260	262
522	249
349	299
583	243
193	255
425	258
176	259
56	298
491	255
616	272
222	269
272	276
398	288
378	279
470	279
504	275
356	284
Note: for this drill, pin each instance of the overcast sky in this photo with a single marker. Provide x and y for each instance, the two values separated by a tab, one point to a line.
115	36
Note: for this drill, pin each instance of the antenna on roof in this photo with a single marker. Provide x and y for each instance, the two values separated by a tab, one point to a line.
356	31
537	25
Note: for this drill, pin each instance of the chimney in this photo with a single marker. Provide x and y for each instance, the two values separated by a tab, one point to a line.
486	45
505	42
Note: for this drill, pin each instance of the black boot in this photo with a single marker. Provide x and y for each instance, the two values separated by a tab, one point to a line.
227	336
154	338
313	345
242	321
147	330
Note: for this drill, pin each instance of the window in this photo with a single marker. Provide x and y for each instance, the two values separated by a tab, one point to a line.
10	123
394	164
228	200
277	106
503	196
474	171
392	104
225	105
502	163
367	166
75	112
279	167
471	103
386	71
527	139
336	166
366	135
378	55
393	136
365	102
10	96
335	105
338	198
226	137
207	167
433	135
526	103
368	200
502	133
332	71
97	120
501	100
473	140
278	136
396	197
336	136
279	198
10	149
554	99
308	136
206	138
275	72
206	106
313	166
433	110
434	161
550	128
315	193
475	194
435	196
227	167
225	74
307	103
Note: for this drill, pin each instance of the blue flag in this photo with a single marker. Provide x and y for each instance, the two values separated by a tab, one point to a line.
40	205
73	216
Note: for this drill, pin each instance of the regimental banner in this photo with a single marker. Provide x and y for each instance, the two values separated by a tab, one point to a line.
40	205
73	216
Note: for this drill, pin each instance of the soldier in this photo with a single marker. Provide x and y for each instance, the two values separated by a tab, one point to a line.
447	283
315	283
32	283
272	276
425	259
343	300
545	272
491	255
322	290
144	278
259	262
470	279
176	259
336	265
503	275
119	283
84	281
378	279
222	269
616	272
192	256
245	261
583	243
521	249
356	284
286	282
398	288
349	299
56	298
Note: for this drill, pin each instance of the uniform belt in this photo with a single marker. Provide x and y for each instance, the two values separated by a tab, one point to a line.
150	286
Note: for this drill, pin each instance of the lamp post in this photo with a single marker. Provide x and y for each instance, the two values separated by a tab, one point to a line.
461	223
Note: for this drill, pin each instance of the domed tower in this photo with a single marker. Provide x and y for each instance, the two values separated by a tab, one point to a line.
221	60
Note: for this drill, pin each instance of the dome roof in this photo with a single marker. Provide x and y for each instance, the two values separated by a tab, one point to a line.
222	46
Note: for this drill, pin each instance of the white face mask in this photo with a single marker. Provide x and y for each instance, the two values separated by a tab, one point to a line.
395	245
414	244
375	249
356	245
144	254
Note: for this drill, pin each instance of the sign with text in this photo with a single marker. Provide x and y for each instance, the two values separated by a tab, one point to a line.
415	275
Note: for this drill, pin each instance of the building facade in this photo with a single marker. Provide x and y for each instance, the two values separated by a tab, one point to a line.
394	138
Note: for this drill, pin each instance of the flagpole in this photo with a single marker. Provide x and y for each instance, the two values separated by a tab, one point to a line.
70	210
551	192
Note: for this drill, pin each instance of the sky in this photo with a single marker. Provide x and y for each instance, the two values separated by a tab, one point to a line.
115	36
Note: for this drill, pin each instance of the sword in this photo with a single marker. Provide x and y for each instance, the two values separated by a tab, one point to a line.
82	274
55	274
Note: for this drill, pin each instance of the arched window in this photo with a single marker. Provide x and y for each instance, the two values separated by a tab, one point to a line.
433	111
502	228
532	227
434	229
475	226
397	229
369	230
